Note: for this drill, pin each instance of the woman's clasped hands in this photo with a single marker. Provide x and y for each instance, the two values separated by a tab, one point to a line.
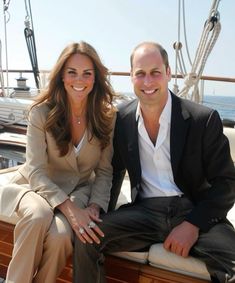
83	221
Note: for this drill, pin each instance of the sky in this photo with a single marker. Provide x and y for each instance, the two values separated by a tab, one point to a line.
114	28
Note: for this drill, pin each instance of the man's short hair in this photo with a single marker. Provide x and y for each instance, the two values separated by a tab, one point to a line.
153	44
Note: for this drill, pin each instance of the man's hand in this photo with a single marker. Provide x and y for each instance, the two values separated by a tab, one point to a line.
182	238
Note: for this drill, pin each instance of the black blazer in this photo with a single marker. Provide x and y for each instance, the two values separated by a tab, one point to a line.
200	158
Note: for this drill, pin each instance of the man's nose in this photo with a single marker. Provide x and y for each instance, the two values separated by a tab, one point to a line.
148	80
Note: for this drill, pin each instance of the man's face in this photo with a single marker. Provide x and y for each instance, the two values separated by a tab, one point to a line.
149	75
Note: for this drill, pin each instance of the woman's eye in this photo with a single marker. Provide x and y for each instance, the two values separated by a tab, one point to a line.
71	73
87	75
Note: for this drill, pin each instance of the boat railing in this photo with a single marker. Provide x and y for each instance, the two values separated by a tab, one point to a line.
205	78
30	94
44	75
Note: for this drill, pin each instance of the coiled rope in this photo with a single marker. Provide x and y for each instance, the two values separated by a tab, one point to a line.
208	39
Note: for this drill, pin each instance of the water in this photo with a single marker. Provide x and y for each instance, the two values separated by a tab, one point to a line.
225	105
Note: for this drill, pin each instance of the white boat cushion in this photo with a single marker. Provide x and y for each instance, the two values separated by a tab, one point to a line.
12	220
141	257
230	133
159	257
4	179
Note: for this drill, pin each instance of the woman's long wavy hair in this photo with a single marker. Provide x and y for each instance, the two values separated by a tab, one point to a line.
99	107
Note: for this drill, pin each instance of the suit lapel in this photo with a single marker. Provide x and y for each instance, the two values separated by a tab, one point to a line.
71	157
131	129
179	127
133	146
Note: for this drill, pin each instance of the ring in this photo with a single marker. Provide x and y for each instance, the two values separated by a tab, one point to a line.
81	230
91	225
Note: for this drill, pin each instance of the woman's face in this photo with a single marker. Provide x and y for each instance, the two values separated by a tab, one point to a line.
78	77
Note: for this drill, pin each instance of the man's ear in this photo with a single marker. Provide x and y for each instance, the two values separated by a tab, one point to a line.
131	75
168	72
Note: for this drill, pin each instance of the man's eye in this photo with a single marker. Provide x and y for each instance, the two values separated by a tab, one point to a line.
156	73
140	74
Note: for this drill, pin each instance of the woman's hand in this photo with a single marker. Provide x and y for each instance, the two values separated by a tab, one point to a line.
83	221
95	210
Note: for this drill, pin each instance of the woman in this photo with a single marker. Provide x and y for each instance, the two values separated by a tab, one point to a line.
66	179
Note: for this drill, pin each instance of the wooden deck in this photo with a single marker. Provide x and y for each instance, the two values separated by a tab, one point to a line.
118	270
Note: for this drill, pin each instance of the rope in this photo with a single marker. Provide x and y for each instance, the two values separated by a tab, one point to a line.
6	20
208	39
1	72
31	45
180	64
30	41
185	35
177	47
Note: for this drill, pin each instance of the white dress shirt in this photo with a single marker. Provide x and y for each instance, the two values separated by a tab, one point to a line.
157	177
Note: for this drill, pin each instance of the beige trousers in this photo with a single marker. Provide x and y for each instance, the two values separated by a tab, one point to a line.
42	242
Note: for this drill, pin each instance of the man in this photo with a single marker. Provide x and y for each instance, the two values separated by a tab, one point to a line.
181	173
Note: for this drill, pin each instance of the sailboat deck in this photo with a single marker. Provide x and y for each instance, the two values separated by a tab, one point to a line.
155	266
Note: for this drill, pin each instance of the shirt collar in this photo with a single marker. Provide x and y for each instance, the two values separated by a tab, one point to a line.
165	115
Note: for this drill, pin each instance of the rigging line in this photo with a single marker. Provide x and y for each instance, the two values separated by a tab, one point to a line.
31	15
30	41
29	36
37	73
26	9
1	72
177	45
183	67
185	34
6	20
214	7
6	5
209	36
206	44
179	62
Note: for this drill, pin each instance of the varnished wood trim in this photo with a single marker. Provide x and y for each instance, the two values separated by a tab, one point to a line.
117	270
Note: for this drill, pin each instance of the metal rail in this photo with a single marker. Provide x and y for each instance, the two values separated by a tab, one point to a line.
206	78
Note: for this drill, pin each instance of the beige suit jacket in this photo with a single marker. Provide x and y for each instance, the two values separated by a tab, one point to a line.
87	176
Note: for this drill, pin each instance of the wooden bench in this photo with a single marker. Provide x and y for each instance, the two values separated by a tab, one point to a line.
118	269
155	266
